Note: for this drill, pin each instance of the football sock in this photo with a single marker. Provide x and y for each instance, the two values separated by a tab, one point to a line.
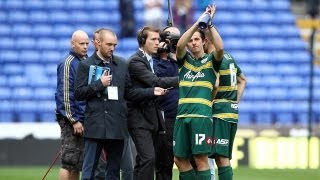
188	175
225	173
204	175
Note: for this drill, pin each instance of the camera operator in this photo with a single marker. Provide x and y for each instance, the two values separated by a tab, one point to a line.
165	65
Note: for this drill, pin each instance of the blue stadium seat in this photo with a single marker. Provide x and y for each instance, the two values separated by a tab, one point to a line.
279	5
9	56
263	17
47	106
52	81
240	56
245	119
47	43
234	43
52	56
16	81
244	17
270	30
286	18
302	119
223	17
138	6
6	117
24	106
27	117
3	80
77	5
22	93
17	4
25	43
47	117
276	43
38	81
44	93
51	69
22	29
254	44
101	4
278	93
273	81
301	56
30	56
254	106
229	31
284	119
299	93
55	5
264	119
59	16
5	93
266	69
281	56
259	56
246	30
291	31
296	44
39	16
42	30
5	30
35	5
296	81
256	93
7	43
128	44
81	16
260	5
10	69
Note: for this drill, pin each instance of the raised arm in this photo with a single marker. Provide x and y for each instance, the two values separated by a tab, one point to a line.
184	39
214	36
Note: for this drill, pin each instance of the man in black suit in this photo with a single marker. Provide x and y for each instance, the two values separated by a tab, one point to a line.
144	117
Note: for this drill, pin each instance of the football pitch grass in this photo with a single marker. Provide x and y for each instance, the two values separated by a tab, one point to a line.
241	173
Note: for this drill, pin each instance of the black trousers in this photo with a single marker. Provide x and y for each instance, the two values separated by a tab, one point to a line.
164	157
146	143
92	153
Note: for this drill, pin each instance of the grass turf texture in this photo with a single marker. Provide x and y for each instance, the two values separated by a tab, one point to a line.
241	173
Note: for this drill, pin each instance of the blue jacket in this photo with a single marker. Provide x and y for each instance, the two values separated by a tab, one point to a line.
169	102
66	104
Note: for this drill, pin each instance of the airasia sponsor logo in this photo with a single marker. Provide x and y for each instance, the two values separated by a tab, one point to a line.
223	142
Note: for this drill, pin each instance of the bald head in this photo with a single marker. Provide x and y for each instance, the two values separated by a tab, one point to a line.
106	32
79	34
79	43
173	30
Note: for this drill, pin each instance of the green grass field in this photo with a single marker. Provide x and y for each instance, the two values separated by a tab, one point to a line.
241	173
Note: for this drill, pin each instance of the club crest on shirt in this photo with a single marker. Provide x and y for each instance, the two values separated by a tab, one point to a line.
204	60
191	76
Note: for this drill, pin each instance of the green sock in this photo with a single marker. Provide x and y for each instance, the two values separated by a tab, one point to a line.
225	173
188	175
204	175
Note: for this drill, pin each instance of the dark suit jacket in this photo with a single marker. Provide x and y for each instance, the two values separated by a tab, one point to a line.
145	113
104	119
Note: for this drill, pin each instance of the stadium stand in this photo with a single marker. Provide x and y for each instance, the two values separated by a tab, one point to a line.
261	35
